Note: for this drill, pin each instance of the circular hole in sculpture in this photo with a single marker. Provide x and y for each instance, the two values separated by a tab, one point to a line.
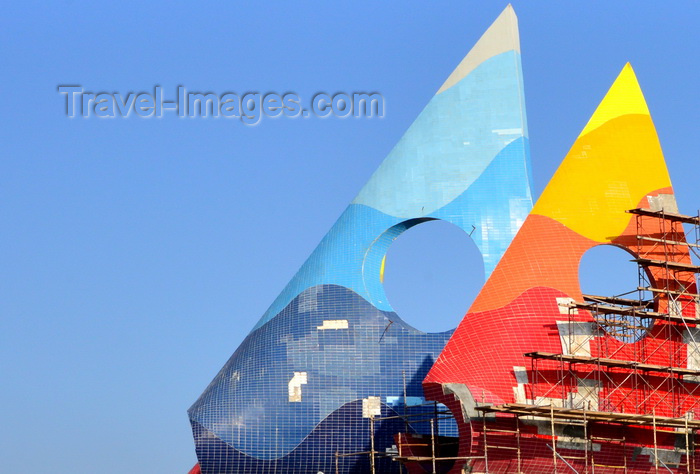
605	271
432	274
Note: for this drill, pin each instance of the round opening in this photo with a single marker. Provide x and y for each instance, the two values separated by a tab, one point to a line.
432	274
606	271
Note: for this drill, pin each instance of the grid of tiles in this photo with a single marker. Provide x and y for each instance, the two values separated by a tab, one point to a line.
616	164
330	352
344	366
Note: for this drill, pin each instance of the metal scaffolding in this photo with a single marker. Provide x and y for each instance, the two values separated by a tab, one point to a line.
629	370
434	442
648	373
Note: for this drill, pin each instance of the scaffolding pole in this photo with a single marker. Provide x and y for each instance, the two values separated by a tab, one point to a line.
517	429
371	452
432	445
656	447
687	446
554	441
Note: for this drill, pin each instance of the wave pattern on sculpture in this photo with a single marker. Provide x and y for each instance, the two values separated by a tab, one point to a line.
330	352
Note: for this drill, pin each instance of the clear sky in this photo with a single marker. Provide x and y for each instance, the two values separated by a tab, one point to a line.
136	254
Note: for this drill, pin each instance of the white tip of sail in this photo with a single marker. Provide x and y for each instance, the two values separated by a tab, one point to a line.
500	37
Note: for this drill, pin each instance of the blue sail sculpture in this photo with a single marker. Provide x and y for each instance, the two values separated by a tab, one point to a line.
330	353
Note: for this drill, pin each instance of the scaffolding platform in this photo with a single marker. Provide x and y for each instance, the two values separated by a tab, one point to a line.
678	266
666	241
601	361
694	220
694	296
521	409
615	300
607	309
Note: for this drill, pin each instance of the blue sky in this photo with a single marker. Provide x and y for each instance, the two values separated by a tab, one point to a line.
137	253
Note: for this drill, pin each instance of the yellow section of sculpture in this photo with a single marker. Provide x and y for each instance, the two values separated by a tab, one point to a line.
614	163
381	270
